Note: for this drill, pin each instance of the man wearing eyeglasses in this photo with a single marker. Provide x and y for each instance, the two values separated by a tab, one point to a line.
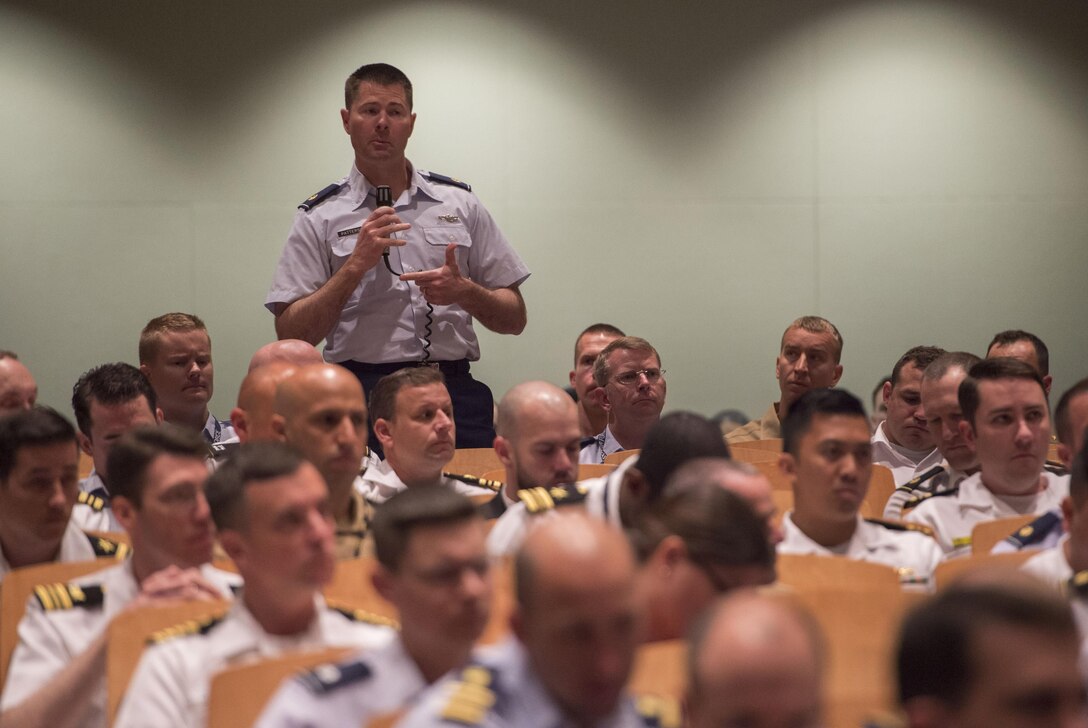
632	391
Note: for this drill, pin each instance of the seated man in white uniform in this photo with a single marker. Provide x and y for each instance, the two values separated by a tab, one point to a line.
272	511
631	390
176	357
941	402
1056	565
826	455
576	626
108	401
589	344
39	485
18	390
537	441
412	416
1007	422
58	670
621	495
321	413
433	567
903	442
808	358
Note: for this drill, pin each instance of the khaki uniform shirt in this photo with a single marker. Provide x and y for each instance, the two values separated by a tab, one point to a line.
767	427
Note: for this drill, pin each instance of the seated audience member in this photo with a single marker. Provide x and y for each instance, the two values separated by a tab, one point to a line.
591	418
1026	347
433	568
755	661
621	495
941	402
826	456
1007	424
288	351
808	358
273	515
1070	420
537	440
631	390
108	401
1056	565
18	390
729	420
903	442
39	485
990	656
321	413
879	412
576	629
251	418
698	541
176	357
57	672
737	477
412	416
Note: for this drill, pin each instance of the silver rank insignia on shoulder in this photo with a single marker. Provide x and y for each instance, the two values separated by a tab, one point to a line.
449	218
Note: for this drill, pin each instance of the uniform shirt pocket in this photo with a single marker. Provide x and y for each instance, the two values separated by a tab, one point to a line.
446	234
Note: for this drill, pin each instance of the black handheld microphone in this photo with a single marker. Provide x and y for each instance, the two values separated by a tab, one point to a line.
384	197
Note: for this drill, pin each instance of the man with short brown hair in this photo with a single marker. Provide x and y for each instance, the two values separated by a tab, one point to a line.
589	344
902	442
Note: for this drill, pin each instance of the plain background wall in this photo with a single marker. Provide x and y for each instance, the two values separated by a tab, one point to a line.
697	173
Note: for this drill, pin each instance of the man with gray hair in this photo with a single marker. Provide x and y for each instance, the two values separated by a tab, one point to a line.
631	389
808	358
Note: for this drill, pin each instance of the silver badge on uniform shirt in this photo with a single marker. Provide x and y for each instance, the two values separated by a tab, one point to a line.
449	218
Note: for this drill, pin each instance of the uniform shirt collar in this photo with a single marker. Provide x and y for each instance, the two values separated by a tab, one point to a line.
361	189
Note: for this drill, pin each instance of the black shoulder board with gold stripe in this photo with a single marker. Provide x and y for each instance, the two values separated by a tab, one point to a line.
914	502
543	499
185	629
94	502
493	485
915	483
1078	584
108	547
361	615
473	696
320	196
443	179
901	526
328	677
658	712
67	596
1056	467
1035	532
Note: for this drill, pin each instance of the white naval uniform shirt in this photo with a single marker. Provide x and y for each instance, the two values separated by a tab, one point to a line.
90	517
602	446
904	463
380	483
602	500
384	318
74	546
50	639
520	699
348	693
171	684
1051	567
939	483
913	554
953	516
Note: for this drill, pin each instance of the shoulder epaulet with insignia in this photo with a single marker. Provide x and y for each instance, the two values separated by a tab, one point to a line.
185	629
1078	584
223	450
1056	467
67	596
658	712
363	616
472	696
94	502
1035	532
320	196
901	526
328	677
493	508
108	547
443	179
493	485
916	483
543	499
914	502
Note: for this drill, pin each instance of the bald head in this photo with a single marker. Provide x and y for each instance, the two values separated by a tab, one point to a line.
757	660
578	615
538	436
528	400
291	351
252	417
18	390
